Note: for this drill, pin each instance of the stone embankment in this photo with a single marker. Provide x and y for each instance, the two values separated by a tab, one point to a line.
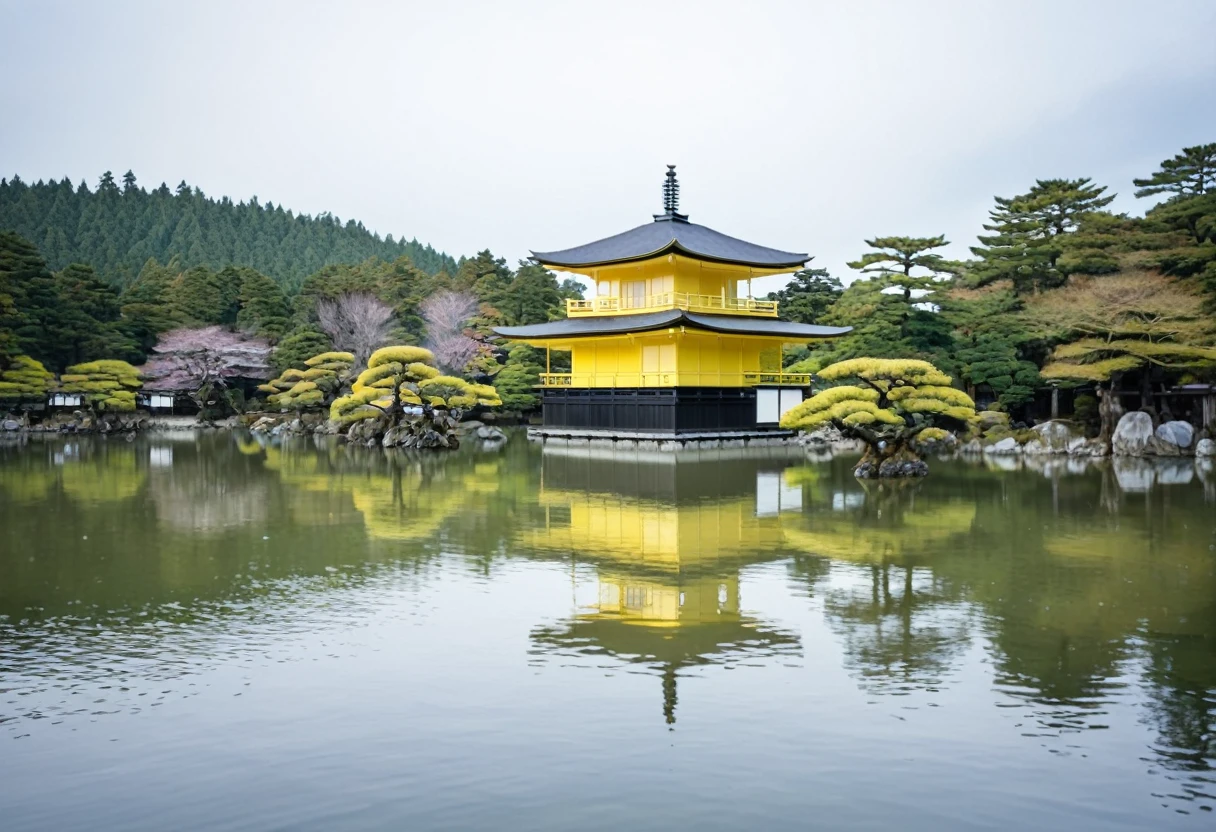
1134	436
80	421
372	432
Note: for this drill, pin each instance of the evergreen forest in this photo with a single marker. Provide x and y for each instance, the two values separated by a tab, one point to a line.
118	226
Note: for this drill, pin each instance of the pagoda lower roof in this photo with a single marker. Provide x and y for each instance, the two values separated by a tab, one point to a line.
669	234
648	321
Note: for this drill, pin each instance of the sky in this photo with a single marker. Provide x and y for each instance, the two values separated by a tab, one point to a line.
517	125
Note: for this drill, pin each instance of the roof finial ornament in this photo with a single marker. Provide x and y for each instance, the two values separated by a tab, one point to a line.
671	198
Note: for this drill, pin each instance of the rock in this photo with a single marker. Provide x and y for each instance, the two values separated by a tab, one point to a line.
903	468
1205	467
394	436
11	424
1080	446
1175	471
1003	462
1134	475
1006	447
1205	448
1054	438
823	435
1181	434
1134	435
489	434
975	446
470	426
992	419
263	424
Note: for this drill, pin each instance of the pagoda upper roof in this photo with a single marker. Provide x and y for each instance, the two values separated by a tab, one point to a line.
671	233
646	321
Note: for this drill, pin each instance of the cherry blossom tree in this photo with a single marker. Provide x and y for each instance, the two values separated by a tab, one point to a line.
356	322
446	314
204	362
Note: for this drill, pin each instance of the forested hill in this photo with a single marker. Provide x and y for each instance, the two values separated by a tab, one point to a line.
117	226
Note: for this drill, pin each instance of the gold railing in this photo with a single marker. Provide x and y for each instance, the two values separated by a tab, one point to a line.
672	379
780	379
713	304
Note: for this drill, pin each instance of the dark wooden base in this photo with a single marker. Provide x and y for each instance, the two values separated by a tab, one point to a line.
673	410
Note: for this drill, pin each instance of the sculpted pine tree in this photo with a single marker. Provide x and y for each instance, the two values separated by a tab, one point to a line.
105	385
312	388
23	380
893	403
408	402
1117	324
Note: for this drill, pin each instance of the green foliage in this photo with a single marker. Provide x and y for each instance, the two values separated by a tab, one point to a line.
296	348
518	380
1028	231
530	296
312	388
204	297
890	319
263	306
57	319
24	379
1190	173
992	359
808	297
107	385
900	255
117	231
400	354
896	399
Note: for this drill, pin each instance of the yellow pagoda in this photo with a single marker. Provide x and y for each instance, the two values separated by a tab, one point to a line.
668	534
672	342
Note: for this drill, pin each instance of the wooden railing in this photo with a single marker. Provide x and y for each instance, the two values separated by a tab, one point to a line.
713	304
671	379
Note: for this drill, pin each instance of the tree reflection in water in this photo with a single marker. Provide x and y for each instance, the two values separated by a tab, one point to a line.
1088	587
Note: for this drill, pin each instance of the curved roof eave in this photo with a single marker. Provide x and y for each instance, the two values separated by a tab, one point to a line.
671	234
648	321
548	259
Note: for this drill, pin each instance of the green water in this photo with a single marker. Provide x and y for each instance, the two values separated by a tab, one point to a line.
208	633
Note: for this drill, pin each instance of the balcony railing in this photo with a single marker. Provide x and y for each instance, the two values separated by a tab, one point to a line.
712	304
671	379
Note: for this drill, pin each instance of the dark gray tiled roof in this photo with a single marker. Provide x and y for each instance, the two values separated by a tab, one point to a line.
672	234
647	321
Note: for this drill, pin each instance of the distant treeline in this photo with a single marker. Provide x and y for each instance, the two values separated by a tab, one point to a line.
117	227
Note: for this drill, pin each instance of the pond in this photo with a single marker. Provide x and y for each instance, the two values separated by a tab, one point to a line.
208	632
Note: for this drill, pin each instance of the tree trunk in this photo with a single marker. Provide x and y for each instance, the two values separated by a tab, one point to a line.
889	458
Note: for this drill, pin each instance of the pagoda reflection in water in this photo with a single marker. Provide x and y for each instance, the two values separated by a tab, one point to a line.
668	535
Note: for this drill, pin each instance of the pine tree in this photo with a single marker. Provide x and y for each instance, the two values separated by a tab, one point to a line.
264	309
106	186
1028	231
900	255
808	296
517	381
1190	173
128	183
297	347
531	297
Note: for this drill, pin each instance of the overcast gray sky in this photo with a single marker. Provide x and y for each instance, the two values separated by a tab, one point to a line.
517	126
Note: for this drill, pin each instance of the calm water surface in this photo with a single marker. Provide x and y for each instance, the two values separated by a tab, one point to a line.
211	633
